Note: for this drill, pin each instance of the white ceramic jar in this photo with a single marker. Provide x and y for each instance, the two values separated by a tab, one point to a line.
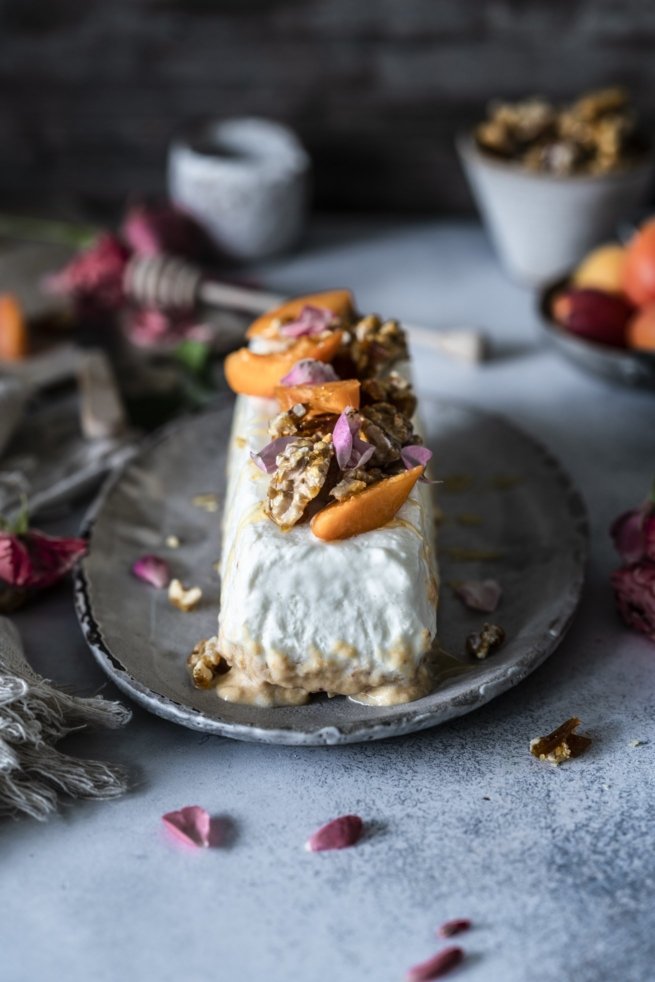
246	181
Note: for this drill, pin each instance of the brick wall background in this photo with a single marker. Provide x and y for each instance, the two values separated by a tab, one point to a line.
91	90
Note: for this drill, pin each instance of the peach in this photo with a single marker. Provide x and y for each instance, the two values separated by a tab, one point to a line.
340	302
602	269
325	397
259	375
13	329
370	509
641	329
639	267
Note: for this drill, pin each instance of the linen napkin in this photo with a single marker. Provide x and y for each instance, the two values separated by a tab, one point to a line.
34	715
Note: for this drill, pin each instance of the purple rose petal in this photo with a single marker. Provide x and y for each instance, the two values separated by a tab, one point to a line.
437	966
191	825
152	570
309	371
481	595
310	321
267	456
342	438
416	455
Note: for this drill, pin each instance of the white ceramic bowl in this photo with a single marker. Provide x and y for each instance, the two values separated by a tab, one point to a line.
542	225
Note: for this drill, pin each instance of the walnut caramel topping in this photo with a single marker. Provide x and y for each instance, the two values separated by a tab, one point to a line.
562	744
206	663
302	468
371	344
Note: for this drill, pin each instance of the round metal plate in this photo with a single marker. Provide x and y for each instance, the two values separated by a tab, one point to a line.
509	513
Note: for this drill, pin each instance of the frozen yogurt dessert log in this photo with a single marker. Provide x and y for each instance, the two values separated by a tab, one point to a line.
329	580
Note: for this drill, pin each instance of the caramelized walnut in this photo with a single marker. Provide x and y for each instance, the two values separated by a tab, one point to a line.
561	744
301	472
369	345
488	640
393	389
355	480
387	430
206	663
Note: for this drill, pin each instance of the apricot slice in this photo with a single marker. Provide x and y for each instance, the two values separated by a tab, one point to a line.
324	397
258	375
13	329
340	302
641	329
368	510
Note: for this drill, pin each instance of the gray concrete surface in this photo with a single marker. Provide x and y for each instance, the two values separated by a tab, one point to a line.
554	866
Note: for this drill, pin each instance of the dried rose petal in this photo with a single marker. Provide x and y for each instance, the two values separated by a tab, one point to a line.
437	966
95	273
35	560
634	592
266	458
153	229
153	570
415	455
190	824
456	926
350	449
311	320
309	371
340	833
481	595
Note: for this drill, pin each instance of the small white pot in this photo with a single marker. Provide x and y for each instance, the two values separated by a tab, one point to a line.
246	181
542	225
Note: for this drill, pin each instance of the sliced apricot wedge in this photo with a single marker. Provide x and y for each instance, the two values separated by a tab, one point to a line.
368	510
340	302
322	397
258	375
13	329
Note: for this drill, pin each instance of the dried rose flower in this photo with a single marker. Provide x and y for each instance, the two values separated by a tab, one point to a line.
340	833
31	561
309	371
152	229
634	582
437	966
311	321
94	274
350	449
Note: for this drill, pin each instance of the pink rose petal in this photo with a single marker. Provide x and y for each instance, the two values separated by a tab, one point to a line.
310	321
95	273
350	449
340	833
156	229
437	966
153	570
266	458
415	455
309	371
190	824
456	926
479	594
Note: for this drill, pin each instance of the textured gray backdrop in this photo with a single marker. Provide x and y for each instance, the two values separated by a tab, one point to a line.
91	90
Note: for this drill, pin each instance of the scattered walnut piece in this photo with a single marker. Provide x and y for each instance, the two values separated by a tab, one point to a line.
489	639
182	598
207	501
172	542
561	744
206	663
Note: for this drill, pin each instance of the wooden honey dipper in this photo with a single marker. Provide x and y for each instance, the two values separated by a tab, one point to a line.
169	283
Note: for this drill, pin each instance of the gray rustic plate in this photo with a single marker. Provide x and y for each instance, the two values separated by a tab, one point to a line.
509	512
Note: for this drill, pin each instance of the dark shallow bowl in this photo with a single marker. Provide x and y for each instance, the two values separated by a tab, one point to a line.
636	369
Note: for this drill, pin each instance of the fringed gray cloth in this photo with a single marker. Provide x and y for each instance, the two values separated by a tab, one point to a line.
33	717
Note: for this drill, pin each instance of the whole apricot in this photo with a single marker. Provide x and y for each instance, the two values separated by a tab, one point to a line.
641	329
602	269
639	266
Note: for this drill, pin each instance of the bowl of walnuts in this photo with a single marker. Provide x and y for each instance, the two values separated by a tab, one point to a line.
551	181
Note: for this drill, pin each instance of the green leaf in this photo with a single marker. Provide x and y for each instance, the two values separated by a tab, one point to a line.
194	355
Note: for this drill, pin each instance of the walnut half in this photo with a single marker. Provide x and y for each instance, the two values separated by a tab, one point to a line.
302	468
